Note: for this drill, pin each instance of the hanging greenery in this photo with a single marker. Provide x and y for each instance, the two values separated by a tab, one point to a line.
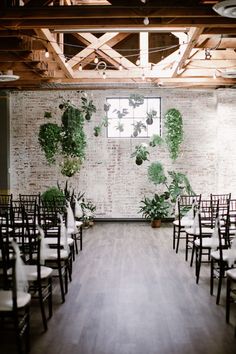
68	140
49	140
173	132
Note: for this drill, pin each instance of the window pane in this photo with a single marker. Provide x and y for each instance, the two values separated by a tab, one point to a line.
137	120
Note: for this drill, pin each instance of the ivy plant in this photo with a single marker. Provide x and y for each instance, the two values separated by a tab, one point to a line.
49	139
173	132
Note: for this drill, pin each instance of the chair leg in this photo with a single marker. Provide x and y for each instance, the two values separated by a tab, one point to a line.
178	238
212	277
174	233
228	286
198	264
81	238
186	248
45	326
61	283
192	255
219	284
50	298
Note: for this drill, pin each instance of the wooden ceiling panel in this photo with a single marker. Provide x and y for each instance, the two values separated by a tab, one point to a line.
184	44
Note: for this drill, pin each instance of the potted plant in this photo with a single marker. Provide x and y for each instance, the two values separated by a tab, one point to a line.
141	154
156	208
88	209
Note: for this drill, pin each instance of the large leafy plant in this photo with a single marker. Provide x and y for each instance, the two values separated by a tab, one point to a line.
155	208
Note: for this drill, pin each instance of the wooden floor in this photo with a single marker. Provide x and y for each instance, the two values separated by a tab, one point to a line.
131	294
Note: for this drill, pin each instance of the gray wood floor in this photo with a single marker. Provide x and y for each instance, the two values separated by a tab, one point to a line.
131	294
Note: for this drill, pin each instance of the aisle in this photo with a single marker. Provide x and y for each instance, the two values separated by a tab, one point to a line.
131	294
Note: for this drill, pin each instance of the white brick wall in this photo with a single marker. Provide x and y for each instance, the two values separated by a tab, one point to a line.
109	176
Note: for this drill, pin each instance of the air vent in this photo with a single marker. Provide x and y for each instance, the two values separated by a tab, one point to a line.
226	8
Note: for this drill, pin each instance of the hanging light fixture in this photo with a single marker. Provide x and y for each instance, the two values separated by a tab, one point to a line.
226	8
96	59
146	21
9	76
80	67
104	75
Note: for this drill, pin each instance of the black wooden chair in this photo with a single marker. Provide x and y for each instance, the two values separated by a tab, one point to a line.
14	303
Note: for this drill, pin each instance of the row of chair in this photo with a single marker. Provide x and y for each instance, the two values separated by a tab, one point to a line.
208	228
36	244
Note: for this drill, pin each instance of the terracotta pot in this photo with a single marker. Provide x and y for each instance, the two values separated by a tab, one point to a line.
156	223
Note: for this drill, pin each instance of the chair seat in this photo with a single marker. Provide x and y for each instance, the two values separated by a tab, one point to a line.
205	231
51	255
78	223
226	254
6	303
31	272
206	242
53	241
231	273
183	222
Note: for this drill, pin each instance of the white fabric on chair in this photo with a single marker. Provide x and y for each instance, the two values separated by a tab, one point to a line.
232	253
21	279
71	226
78	209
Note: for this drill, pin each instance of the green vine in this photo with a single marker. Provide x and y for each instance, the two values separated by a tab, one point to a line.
173	132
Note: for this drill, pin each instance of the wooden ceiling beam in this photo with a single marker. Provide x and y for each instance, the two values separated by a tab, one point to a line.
91	11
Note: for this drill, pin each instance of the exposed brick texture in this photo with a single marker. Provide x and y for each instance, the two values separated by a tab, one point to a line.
109	177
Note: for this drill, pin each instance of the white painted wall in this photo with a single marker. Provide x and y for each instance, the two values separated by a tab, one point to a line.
109	176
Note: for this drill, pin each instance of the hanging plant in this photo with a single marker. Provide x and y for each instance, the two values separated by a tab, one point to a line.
138	126
120	127
156	173
136	100
156	140
70	166
121	114
150	115
97	130
88	107
141	154
49	140
106	107
173	132
68	139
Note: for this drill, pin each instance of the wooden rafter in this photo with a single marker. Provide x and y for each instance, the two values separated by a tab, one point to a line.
53	46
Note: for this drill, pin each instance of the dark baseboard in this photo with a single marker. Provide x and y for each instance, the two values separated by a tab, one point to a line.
129	220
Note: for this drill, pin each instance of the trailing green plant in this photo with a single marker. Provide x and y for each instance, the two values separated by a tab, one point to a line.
155	208
136	100
49	139
47	114
141	154
173	132
98	128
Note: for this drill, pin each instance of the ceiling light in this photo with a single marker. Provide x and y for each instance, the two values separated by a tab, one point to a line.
104	75
120	67
96	60
47	55
80	67
144	1
8	77
138	62
146	21
226	8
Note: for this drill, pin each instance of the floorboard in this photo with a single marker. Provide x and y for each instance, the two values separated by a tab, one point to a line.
132	294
